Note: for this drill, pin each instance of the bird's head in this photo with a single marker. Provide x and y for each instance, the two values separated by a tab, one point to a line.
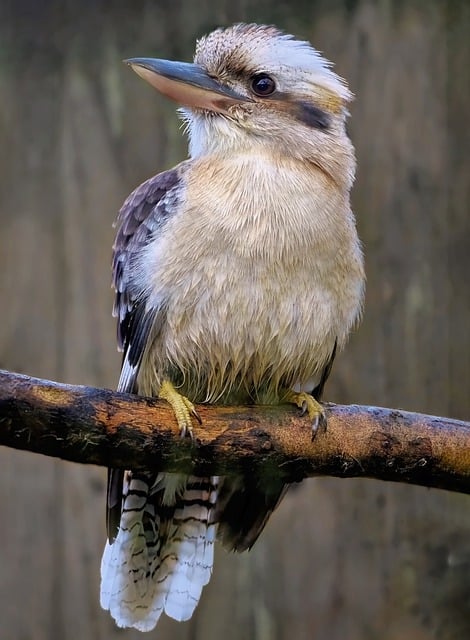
254	85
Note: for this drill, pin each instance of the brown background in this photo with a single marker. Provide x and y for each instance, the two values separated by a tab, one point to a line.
354	560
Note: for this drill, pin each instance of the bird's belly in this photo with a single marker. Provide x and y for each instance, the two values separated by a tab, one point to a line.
248	331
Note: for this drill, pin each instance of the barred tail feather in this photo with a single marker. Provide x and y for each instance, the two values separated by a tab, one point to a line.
163	554
193	543
126	588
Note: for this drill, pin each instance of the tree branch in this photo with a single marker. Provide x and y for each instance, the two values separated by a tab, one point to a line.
102	427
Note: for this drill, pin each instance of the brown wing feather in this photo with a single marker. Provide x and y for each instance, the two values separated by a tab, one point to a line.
142	216
317	393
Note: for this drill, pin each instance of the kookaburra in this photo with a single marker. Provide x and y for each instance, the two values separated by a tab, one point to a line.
238	274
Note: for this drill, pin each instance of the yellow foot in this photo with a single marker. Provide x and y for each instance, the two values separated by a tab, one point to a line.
182	408
309	405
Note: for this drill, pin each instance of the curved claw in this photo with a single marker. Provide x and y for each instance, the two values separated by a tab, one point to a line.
308	404
195	414
319	424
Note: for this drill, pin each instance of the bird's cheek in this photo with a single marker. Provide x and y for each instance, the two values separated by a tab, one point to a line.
239	112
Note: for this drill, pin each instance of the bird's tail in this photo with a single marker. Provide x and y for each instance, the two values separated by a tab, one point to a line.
163	553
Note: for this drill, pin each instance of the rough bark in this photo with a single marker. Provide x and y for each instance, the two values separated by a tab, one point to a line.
106	428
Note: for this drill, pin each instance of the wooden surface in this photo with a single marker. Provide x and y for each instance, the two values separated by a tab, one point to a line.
78	131
97	426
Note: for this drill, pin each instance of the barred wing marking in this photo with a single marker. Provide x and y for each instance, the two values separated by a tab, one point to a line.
144	213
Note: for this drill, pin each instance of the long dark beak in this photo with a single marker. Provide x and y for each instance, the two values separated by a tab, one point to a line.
185	83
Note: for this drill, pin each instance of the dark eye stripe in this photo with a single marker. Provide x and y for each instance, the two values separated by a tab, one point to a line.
312	116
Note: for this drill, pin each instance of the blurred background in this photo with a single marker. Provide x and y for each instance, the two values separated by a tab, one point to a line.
340	559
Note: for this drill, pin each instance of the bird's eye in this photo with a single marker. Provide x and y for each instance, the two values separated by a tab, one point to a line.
262	84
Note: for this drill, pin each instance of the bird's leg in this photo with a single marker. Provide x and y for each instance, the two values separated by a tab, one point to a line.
309	405
182	408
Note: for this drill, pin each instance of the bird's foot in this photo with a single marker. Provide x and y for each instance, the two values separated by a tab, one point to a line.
182	408
309	405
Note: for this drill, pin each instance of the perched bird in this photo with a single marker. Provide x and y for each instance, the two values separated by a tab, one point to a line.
238	274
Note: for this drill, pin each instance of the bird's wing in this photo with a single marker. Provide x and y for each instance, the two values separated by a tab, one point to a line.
141	218
317	393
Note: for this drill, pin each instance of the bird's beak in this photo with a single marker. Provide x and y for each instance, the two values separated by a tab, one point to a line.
185	83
